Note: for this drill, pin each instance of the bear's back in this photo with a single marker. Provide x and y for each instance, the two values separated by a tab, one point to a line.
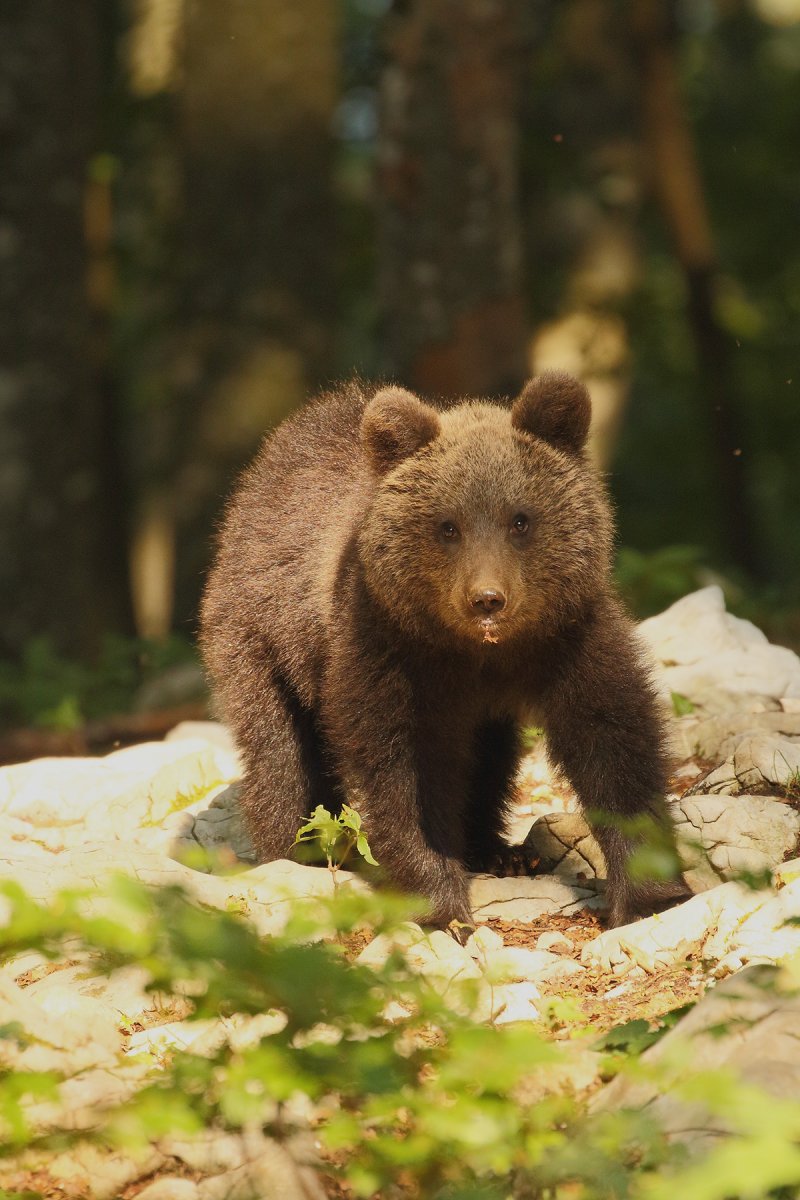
283	535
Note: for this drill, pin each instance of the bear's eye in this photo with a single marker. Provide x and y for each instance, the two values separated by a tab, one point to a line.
449	531
520	524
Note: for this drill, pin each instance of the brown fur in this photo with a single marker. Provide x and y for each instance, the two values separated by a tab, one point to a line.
356	648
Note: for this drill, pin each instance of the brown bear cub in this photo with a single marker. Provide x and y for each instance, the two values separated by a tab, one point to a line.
399	588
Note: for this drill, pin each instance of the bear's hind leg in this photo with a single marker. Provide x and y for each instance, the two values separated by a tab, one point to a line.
497	753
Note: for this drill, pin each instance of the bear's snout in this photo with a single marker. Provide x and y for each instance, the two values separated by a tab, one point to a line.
488	601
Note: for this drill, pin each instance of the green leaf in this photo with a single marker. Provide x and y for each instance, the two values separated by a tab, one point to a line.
362	845
363	1181
155	1112
350	819
681	705
16	1087
653	862
747	1168
494	1060
633	1037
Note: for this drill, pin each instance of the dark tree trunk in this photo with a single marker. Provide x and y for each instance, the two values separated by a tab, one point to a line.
251	306
62	569
678	187
451	259
256	108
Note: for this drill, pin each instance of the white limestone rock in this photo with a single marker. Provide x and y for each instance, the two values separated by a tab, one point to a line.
170	1187
787	872
437	955
86	1169
483	941
767	934
559	943
698	645
204	731
758	763
674	935
263	894
515	1002
716	737
565	845
719	838
82	1096
215	824
722	836
159	1041
527	898
233	1167
577	1069
122	994
214	1151
376	952
64	1032
761	1048
113	796
514	964
272	1171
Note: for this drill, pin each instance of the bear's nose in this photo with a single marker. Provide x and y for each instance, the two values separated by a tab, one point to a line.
489	601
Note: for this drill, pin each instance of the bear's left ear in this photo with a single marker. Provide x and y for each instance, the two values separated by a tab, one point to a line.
555	407
395	425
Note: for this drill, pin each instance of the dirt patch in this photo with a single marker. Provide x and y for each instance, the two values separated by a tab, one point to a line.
605	999
579	928
686	773
40	1183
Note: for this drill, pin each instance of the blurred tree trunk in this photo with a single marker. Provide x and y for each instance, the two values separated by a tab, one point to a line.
589	337
62	568
678	186
451	270
249	324
586	233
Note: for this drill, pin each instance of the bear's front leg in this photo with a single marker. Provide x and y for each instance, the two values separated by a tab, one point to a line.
403	765
604	730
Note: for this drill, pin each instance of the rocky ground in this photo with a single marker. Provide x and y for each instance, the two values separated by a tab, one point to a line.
736	801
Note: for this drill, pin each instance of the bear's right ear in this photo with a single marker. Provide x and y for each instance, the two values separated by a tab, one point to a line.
395	425
556	408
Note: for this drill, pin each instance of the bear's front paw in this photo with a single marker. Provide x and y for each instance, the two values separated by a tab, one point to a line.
504	860
455	917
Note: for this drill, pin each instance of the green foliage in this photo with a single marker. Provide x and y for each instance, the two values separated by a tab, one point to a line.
16	1087
681	705
430	1103
634	1037
651	582
45	689
756	881
336	836
665	478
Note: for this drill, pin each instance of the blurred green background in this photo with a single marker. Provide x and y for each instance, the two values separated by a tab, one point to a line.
211	208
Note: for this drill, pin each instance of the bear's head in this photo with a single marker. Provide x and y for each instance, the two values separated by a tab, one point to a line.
487	521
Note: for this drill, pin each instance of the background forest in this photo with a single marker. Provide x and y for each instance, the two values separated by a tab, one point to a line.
211	208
